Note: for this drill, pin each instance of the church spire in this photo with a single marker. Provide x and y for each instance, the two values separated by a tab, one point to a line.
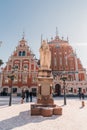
67	39
57	37
56	32
23	35
41	38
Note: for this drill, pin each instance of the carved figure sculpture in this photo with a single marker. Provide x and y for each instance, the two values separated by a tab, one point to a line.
45	55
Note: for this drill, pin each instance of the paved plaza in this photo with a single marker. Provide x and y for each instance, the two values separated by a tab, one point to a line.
17	116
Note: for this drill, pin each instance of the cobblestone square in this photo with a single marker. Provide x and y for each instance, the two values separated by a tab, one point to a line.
18	117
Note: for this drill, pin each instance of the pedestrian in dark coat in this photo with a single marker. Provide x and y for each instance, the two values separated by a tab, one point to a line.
31	94
27	95
83	96
23	95
80	95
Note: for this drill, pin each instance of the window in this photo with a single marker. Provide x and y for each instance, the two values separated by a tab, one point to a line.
60	61
23	53
34	90
79	90
14	90
66	60
55	63
16	78
6	79
72	90
5	89
4	92
24	78
32	67
25	67
20	53
16	67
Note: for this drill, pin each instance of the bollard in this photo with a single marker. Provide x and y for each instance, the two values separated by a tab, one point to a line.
83	103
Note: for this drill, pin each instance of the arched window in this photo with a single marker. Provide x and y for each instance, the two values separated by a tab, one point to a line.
23	53
20	53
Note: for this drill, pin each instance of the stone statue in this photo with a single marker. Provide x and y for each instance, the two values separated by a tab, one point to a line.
45	56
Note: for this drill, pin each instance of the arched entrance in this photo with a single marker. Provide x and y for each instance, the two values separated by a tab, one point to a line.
58	89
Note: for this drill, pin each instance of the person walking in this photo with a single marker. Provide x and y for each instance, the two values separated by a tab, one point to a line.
27	95
31	94
23	96
82	95
83	102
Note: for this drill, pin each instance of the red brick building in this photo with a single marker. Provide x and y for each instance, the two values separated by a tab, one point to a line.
26	69
66	63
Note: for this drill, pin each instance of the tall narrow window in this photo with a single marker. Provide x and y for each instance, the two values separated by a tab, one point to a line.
60	60
20	53
66	59
23	53
55	63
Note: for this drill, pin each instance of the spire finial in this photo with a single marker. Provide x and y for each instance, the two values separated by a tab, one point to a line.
47	40
62	37
67	38
75	52
41	38
56	31
23	35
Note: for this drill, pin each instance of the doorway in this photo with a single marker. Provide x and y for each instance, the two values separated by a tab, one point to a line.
58	89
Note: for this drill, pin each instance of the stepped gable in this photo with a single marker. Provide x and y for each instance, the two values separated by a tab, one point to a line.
64	57
25	64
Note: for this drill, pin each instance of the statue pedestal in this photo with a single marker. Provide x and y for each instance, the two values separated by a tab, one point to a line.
45	104
44	94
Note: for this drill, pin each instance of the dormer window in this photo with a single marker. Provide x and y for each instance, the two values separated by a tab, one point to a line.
22	53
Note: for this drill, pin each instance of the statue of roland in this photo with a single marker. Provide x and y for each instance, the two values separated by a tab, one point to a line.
45	55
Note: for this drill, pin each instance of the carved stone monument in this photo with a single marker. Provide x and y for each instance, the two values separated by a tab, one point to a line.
45	78
45	104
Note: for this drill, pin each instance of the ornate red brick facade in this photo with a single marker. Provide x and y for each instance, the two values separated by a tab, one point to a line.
64	62
65	59
26	67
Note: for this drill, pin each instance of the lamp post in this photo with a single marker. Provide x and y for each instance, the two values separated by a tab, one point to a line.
65	78
64	87
11	77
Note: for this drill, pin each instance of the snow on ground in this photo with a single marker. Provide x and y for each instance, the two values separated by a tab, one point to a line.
17	116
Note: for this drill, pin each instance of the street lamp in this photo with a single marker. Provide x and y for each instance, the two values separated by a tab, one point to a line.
64	78
11	77
64	87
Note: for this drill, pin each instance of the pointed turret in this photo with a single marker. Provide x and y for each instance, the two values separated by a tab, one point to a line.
57	37
22	42
41	38
23	35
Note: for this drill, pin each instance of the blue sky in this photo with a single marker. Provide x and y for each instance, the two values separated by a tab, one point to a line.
36	17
